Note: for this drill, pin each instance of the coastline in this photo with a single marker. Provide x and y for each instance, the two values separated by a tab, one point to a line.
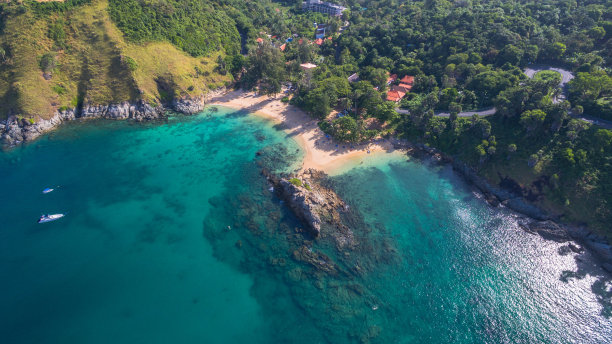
16	130
320	152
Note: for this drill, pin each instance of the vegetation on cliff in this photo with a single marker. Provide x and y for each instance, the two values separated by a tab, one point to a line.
56	56
463	55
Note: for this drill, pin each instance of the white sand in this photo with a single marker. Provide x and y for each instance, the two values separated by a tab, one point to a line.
320	152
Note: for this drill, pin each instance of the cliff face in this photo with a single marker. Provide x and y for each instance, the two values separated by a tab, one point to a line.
16	130
55	57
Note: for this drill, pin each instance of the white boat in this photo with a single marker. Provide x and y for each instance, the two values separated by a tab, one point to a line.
49	218
48	190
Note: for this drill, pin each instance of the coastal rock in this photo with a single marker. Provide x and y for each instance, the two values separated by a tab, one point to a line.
549	230
189	106
16	130
193	105
604	251
138	111
480	183
319	207
520	206
575	247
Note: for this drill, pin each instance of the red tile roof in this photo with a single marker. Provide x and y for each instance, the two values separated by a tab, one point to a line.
259	40
319	41
395	96
282	47
399	88
407	80
391	78
407	87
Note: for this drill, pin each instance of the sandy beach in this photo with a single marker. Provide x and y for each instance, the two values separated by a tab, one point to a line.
321	153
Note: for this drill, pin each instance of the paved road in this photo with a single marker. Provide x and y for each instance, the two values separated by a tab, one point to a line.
594	120
566	77
482	113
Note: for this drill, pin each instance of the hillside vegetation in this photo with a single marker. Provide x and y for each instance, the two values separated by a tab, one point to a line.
466	55
457	55
65	54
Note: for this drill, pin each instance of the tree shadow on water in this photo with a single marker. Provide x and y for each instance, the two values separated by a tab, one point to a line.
602	287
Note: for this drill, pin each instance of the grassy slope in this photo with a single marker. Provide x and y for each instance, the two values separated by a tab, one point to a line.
92	68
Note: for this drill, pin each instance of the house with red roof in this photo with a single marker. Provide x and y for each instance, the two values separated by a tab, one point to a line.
397	92
282	47
391	79
404	87
318	41
407	79
260	40
395	96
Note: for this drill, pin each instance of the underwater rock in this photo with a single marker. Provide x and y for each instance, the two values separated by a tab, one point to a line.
318	260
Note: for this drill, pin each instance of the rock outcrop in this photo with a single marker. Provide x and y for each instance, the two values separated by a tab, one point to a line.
319	207
16	130
548	230
541	222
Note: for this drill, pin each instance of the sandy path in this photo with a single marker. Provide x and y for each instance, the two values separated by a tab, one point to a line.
320	152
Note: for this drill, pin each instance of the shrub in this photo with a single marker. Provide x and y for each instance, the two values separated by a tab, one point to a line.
57	33
295	181
285	99
130	63
47	62
59	89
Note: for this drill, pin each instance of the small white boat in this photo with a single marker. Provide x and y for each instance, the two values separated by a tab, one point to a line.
49	218
48	190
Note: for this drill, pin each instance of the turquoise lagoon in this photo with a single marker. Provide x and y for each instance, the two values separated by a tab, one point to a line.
172	236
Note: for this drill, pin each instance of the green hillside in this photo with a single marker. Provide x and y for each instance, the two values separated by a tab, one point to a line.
60	55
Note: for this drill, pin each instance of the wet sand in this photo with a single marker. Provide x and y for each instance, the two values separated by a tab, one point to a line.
321	153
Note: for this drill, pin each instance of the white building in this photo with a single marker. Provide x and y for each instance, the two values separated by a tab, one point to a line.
323	7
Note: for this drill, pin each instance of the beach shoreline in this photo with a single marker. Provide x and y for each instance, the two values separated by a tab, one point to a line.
320	151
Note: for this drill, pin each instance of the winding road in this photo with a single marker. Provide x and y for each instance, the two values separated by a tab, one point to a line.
530	72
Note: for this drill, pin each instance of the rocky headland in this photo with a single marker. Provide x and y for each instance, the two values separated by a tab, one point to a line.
17	129
535	220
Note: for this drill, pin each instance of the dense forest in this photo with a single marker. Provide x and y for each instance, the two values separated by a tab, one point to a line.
462	54
466	55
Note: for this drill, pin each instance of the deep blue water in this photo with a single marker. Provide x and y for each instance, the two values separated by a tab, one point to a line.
145	254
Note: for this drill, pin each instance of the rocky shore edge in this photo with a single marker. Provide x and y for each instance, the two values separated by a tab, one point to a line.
16	129
318	206
535	220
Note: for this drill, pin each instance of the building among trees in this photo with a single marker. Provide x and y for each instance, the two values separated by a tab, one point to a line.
323	7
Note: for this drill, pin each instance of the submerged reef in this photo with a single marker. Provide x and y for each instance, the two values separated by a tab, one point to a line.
298	231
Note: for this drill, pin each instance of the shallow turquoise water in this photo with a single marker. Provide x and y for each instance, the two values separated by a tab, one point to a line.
145	254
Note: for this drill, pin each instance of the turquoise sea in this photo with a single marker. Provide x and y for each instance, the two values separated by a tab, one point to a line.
172	236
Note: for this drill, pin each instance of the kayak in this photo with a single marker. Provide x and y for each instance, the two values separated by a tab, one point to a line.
49	218
47	190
